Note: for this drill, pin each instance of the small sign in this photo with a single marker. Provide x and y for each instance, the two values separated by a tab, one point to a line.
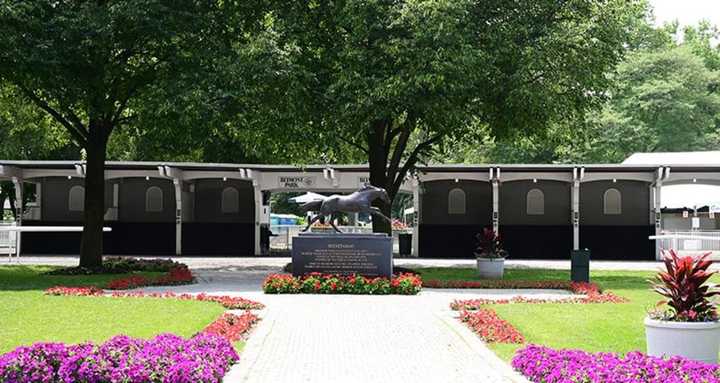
302	182
685	214
691	244
695	223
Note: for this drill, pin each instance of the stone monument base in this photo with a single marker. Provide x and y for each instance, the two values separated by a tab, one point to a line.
342	253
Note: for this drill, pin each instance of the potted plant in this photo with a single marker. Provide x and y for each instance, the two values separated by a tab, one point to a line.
490	255
688	325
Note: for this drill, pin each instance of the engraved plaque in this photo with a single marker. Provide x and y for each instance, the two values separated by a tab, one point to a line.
344	254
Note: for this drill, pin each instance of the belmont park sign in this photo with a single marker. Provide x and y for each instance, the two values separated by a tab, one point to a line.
301	182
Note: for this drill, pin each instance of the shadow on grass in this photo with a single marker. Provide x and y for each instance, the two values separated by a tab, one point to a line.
26	278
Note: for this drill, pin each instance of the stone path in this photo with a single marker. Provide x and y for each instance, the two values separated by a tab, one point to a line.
318	338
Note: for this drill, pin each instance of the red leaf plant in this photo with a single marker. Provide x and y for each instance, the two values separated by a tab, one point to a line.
490	327
231	326
684	285
489	244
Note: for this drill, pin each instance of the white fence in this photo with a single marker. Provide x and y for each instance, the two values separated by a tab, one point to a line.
691	242
8	240
283	234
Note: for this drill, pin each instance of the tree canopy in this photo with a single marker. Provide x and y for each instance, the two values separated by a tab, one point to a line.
390	80
87	64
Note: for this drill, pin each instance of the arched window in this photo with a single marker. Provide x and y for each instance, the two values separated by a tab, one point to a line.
456	201
154	199
230	201
535	202
76	198
612	202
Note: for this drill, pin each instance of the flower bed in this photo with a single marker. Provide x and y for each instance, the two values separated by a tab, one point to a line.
542	364
165	358
232	327
178	275
232	303
476	304
121	265
591	292
316	283
490	327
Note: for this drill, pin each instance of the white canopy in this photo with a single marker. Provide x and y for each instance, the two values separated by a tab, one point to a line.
690	195
675	158
307	197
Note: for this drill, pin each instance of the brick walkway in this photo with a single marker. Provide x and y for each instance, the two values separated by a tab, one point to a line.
319	338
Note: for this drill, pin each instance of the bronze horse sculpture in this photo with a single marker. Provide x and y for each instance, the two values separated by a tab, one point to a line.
357	202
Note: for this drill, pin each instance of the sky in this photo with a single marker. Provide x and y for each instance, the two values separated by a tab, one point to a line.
687	12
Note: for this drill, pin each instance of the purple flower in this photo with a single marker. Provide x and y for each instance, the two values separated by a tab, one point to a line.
166	358
542	364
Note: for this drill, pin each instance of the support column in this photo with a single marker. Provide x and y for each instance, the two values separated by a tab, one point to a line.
496	204
416	219
18	183
257	192
657	206
575	201
178	216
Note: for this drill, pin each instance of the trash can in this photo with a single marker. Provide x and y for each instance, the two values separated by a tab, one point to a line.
405	244
580	265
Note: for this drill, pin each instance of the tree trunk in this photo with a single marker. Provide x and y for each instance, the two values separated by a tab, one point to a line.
2	206
377	163
91	246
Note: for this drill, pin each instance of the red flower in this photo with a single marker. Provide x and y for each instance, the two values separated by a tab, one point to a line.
490	327
232	327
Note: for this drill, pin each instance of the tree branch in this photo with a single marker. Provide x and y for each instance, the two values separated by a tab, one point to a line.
405	130
79	134
354	144
412	160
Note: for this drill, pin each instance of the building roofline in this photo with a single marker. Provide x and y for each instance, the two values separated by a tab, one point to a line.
451	168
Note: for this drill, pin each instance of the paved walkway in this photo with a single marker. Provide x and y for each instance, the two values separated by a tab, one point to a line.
318	338
245	262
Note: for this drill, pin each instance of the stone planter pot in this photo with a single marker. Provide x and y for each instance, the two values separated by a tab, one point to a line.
693	340
490	268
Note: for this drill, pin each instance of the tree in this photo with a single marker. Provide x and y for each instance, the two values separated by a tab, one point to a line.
664	101
87	64
392	79
28	133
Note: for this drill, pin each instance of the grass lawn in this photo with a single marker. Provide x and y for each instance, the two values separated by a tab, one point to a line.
27	316
591	327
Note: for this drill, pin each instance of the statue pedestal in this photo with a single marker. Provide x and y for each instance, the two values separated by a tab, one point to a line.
344	254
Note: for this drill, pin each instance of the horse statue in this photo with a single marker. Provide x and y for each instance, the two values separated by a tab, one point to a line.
357	202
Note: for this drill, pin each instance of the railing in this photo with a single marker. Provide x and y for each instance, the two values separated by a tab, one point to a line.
8	239
690	241
283	234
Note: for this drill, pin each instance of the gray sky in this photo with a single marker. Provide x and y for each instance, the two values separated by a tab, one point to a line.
687	12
